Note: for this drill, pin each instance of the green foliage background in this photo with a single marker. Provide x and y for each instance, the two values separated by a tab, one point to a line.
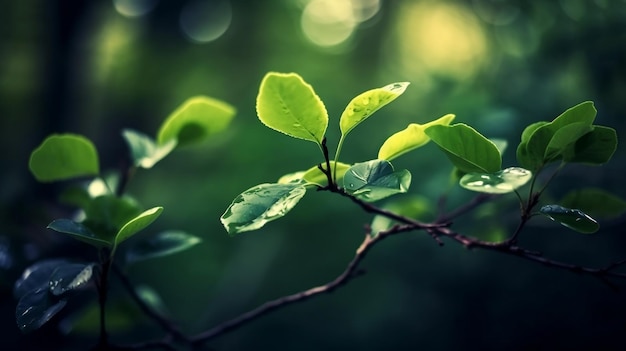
82	67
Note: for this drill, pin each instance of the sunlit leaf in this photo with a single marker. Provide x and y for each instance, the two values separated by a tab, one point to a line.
286	103
409	139
261	204
316	176
78	231
501	182
36	308
375	180
195	120
595	202
295	177
365	104
161	244
595	148
64	156
67	277
467	149
138	223
572	218
146	152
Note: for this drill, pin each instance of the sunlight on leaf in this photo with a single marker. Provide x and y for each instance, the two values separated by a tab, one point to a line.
64	156
138	223
68	277
409	139
195	120
286	103
365	104
260	204
467	149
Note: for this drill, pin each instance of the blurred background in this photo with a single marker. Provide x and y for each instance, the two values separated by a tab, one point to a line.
95	67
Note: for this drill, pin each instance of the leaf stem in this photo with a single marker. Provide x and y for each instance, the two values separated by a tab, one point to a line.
337	153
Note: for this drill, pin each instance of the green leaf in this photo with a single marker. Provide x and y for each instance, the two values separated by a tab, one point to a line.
106	214
595	202
286	103
595	148
195	120
375	180
571	218
415	206
409	139
501	182
365	104
138	223
69	277
261	204
162	244
36	308
544	142
78	231
144	151
467	149
501	144
64	156
316	176
563	138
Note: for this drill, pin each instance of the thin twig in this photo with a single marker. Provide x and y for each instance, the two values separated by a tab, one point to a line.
163	322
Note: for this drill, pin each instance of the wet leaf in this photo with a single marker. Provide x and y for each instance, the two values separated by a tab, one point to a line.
365	104
595	202
78	231
261	204
286	103
409	139
36	308
70	276
161	244
467	149
375	180
195	120
36	276
501	182
572	218
138	223
64	156
146	152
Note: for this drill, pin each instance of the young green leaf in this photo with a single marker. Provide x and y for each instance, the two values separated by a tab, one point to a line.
501	182
375	180
138	223
78	231
144	151
563	138
409	139
571	218
467	149
261	204
286	103
195	120
64	156
595	202
365	104
594	148
162	244
36	308
69	277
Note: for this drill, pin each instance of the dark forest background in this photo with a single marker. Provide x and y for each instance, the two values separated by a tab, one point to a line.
95	67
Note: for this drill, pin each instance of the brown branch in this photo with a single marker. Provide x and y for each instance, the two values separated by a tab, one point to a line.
347	275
